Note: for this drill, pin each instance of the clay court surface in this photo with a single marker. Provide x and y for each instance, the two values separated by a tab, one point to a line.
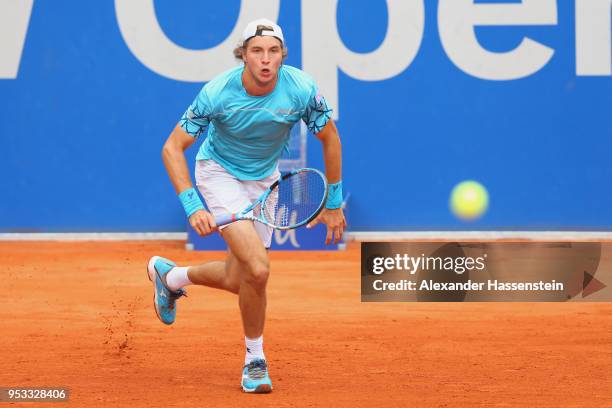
80	315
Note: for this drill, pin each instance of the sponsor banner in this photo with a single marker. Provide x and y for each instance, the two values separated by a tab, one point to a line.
513	94
486	272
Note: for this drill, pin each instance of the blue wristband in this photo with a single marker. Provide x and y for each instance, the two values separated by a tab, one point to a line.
191	201
334	196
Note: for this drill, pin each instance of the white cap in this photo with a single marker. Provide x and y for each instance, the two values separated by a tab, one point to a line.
262	27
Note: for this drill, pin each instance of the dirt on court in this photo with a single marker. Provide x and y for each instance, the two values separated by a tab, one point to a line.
80	315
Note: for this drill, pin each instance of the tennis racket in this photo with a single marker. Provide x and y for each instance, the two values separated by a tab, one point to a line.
290	202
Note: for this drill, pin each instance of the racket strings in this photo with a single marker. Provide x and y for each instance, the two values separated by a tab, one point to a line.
295	199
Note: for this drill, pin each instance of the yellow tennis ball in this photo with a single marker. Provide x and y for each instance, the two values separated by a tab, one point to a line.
469	200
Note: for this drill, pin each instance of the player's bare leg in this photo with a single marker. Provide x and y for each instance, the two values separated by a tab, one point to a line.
252	261
250	253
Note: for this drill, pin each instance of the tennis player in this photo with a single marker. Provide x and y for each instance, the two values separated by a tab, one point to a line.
247	113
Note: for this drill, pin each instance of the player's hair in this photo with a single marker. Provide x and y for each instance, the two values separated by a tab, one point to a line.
241	48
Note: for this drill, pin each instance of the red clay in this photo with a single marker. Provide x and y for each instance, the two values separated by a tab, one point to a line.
80	315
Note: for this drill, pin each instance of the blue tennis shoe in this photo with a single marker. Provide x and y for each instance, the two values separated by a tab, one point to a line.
164	298
255	377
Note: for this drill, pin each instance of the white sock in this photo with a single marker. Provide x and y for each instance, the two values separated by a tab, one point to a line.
254	349
177	278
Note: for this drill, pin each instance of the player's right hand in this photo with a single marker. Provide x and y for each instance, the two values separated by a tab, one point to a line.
203	222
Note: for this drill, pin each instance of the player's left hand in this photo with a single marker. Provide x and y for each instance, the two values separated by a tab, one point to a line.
335	221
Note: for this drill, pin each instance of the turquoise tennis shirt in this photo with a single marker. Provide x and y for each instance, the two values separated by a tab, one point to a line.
247	134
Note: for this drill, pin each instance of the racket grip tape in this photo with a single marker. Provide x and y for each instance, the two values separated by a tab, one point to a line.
225	219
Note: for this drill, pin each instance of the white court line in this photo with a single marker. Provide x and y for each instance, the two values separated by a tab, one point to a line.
349	236
94	236
479	235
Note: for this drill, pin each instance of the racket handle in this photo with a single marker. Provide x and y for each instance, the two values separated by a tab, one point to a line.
225	219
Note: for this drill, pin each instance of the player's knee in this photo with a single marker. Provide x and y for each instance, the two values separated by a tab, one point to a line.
258	272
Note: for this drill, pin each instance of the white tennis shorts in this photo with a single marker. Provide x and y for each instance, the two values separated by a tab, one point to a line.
225	194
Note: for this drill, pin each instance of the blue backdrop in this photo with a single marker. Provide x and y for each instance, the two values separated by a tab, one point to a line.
83	122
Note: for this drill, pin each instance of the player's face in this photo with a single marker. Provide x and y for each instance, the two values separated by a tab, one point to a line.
263	57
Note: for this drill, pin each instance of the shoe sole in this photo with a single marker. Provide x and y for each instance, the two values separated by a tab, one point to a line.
261	389
151	267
